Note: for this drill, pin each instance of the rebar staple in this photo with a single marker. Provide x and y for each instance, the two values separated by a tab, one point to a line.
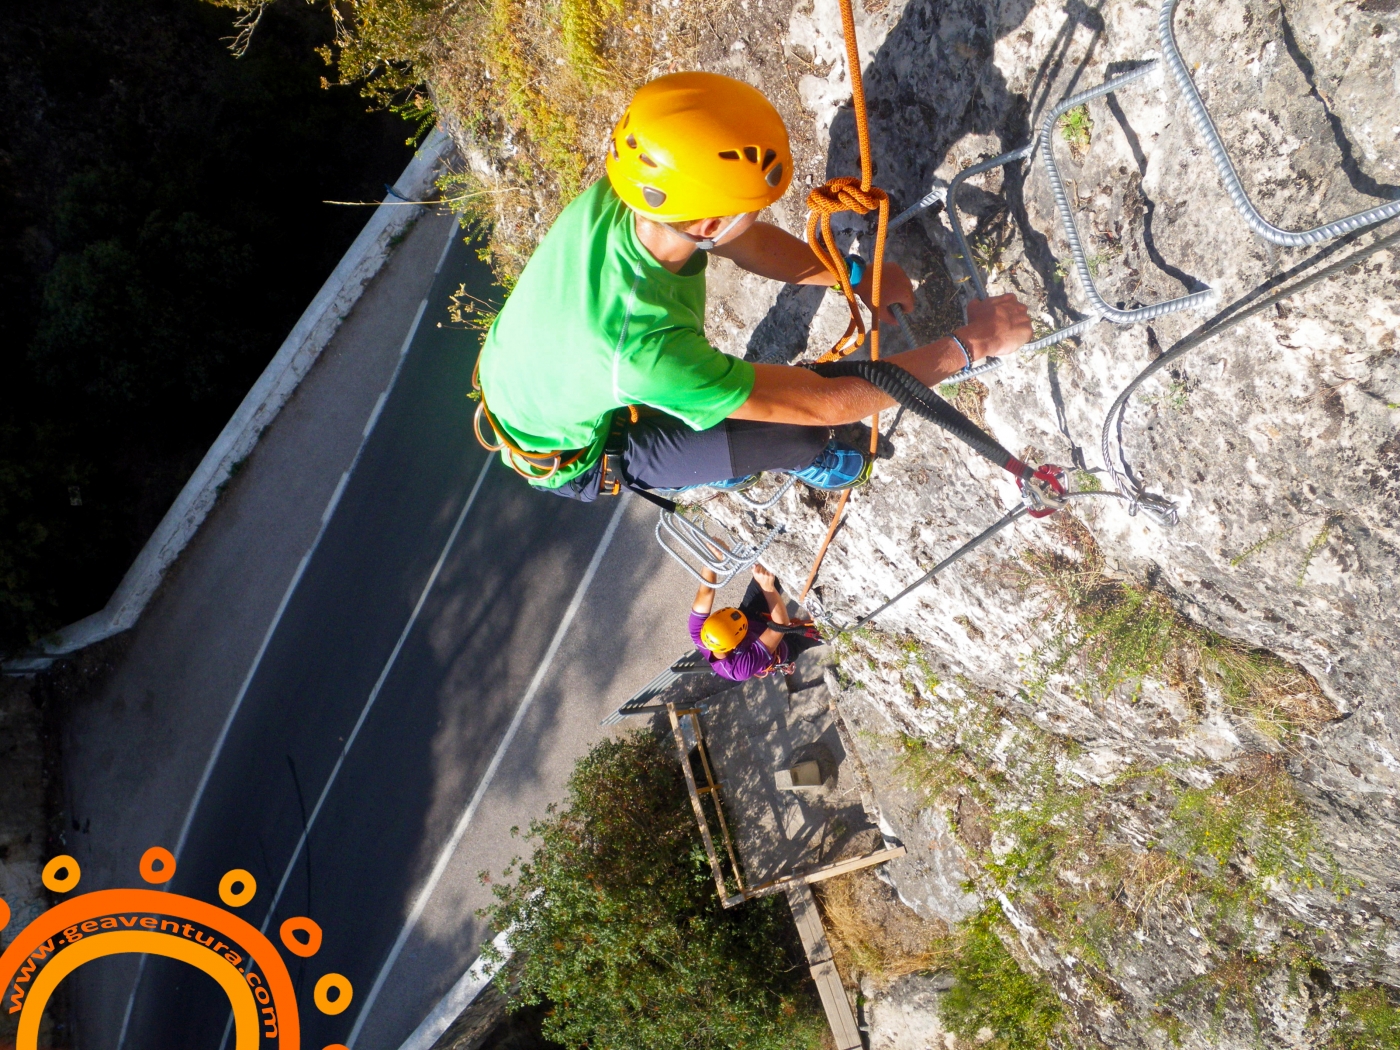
1076	247
1200	116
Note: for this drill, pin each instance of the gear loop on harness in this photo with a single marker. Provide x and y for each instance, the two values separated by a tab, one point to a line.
532	466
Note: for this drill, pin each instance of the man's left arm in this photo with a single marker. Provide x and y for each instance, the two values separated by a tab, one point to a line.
774	253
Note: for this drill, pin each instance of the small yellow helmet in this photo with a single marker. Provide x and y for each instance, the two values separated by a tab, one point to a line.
723	630
699	146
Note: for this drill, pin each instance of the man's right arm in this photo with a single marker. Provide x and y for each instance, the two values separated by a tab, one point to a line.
784	394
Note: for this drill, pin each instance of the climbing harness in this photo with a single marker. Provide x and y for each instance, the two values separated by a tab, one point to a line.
532	466
687	541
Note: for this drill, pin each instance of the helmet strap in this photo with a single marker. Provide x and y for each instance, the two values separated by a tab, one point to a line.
705	244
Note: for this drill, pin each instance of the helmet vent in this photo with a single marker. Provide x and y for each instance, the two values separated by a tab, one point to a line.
774	176
612	148
653	196
729	154
768	158
626	119
631	141
751	154
647	160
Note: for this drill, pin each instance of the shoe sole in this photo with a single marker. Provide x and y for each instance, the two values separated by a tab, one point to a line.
859	480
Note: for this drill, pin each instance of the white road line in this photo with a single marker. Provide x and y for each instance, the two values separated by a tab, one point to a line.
447	247
418	317
471	984
445	855
374	693
262	649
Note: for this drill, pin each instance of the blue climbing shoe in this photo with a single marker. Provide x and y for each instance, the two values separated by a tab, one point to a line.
838	467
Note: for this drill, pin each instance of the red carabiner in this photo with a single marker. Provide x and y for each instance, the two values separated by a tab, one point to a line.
1044	490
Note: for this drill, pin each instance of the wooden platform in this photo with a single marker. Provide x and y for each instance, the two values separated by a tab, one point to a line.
760	837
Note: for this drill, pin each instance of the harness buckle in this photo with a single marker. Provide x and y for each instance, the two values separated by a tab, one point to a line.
610	476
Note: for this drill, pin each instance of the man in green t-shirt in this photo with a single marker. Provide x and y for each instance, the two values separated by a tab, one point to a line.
601	345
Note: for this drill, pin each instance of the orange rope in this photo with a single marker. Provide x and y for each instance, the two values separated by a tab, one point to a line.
821	553
859	196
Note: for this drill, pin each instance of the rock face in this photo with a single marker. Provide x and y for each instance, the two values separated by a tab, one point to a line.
1276	441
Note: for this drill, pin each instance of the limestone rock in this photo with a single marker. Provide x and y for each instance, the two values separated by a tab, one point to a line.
1276	441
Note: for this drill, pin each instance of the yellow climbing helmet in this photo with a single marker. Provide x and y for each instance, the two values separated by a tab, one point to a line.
723	630
699	146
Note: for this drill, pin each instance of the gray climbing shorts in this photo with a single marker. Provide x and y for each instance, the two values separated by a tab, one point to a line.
664	453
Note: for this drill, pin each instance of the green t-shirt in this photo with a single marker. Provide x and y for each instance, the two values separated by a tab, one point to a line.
596	323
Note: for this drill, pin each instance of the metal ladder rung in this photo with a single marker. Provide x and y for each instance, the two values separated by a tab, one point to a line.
684	540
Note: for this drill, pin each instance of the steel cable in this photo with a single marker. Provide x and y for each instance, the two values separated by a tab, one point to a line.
1221	323
1076	248
967	548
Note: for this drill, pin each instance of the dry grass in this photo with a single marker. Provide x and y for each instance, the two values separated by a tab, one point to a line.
969	398
873	934
535	89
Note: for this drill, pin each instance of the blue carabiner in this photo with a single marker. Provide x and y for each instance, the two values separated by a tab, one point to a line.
856	265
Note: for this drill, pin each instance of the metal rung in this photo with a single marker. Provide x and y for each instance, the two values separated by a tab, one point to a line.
1166	32
691	545
1041	143
755	504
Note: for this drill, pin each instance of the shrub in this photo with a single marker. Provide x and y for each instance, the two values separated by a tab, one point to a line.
621	929
991	991
1368	1022
1077	127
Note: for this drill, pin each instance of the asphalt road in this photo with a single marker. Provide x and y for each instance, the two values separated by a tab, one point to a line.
431	608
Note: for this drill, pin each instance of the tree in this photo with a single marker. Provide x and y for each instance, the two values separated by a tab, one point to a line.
622	932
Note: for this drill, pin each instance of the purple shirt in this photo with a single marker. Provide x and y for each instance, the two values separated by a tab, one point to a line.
749	659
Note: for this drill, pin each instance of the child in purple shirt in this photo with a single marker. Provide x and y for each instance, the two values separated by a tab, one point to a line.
762	649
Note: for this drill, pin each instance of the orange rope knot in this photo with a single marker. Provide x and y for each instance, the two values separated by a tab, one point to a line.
853	195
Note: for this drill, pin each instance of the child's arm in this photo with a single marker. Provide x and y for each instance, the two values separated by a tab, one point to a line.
777	608
705	596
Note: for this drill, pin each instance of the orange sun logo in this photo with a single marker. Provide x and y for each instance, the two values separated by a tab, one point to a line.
90	926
